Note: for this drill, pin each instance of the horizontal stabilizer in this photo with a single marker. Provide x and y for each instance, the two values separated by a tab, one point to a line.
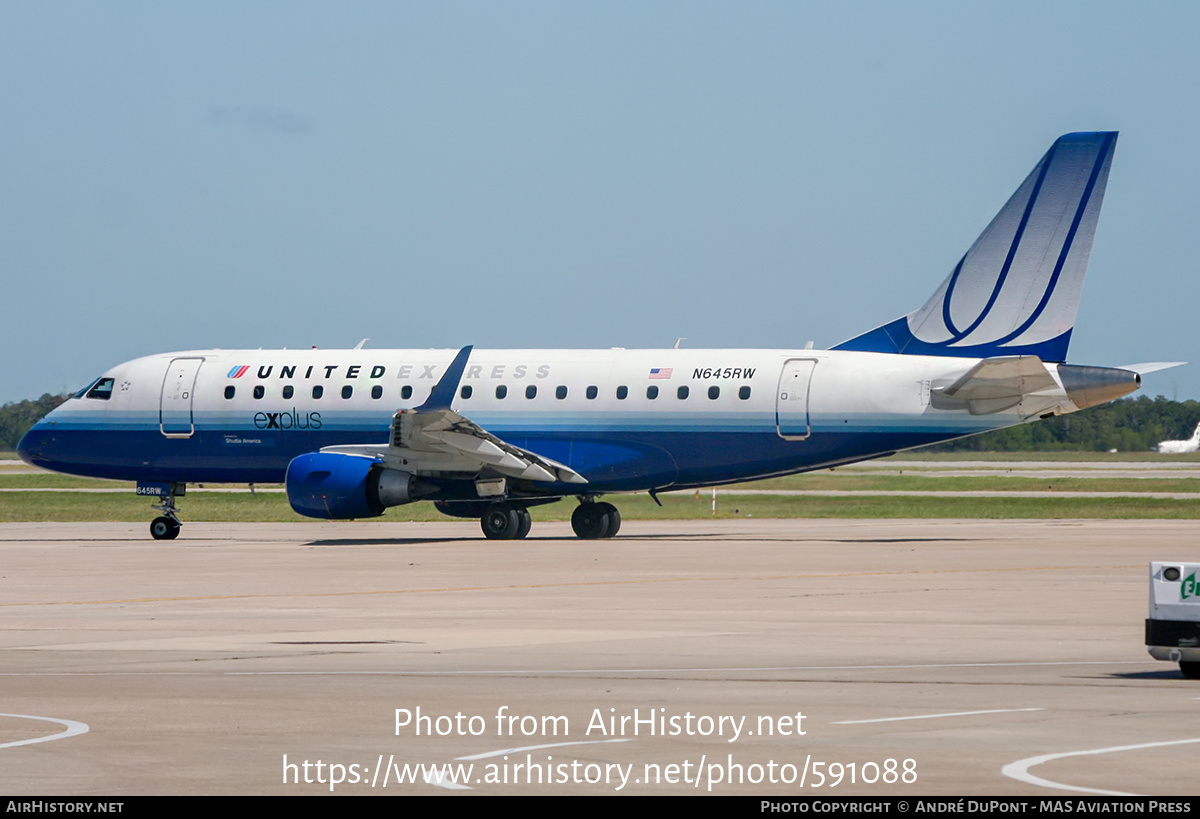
995	384
1152	366
1002	377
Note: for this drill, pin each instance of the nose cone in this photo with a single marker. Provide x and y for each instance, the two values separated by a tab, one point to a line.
30	448
37	446
23	450
63	443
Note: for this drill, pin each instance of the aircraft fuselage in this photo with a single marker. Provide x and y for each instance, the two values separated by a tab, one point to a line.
626	420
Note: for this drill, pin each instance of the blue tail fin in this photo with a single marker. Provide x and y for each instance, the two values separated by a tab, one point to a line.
1017	289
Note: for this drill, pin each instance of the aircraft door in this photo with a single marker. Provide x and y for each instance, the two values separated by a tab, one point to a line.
175	407
791	399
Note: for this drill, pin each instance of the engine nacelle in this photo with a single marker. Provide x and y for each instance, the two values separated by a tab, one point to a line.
333	486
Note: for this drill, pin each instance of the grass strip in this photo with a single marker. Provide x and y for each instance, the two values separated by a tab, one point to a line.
267	508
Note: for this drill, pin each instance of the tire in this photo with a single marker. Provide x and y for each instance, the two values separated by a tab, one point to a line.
1191	670
500	522
163	528
590	521
525	523
614	519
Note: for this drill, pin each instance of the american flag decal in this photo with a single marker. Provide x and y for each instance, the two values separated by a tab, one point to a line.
661	372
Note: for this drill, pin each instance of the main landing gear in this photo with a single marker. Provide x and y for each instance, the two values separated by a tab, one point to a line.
593	521
510	521
504	521
167	525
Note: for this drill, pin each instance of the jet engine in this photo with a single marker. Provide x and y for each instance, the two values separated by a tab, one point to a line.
334	486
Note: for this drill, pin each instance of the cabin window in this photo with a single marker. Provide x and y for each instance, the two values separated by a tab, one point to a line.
501	391
622	392
744	393
259	391
652	391
406	392
682	392
347	391
102	389
714	392
560	393
377	392
466	391
592	392
318	391
289	391
531	391
230	390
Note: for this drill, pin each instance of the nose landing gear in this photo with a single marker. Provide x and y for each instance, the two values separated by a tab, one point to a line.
165	528
167	525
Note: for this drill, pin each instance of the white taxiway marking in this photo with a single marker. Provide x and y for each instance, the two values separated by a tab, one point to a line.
1019	770
936	716
560	671
439	780
503	751
74	728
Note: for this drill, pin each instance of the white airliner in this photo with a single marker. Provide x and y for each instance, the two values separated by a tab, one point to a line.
487	434
1180	447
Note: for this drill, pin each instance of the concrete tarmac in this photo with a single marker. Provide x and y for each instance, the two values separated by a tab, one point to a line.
786	658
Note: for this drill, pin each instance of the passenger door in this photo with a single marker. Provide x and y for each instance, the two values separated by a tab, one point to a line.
175	407
791	399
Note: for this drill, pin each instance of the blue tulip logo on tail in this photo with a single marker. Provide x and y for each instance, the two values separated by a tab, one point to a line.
1016	291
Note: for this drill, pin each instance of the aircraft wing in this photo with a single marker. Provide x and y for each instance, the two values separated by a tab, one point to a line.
433	439
445	432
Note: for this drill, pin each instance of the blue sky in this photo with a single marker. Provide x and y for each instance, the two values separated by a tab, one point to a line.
180	176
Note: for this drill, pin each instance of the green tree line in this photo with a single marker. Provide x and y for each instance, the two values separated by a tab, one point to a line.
1128	425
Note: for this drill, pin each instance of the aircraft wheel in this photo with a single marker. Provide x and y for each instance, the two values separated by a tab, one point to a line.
1190	670
500	522
164	528
590	521
614	519
525	523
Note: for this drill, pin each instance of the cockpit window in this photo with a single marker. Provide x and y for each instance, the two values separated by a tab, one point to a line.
102	389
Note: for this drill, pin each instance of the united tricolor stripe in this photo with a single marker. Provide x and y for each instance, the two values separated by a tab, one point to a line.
238	371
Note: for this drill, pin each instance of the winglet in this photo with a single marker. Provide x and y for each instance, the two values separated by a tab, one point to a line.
444	392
